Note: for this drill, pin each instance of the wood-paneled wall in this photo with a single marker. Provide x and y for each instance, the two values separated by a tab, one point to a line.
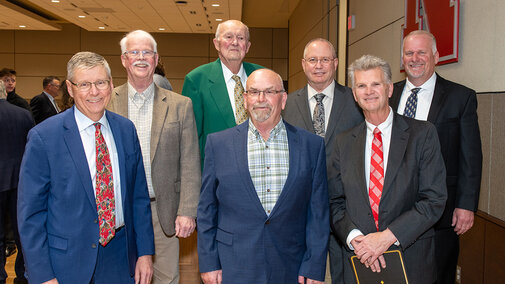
36	54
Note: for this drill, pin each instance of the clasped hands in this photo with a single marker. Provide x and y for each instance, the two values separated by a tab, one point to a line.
370	248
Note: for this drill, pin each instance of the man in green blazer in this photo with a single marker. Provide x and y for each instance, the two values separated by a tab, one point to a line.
213	87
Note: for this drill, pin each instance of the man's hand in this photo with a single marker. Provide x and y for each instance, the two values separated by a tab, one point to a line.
309	281
462	220
184	226
212	277
368	248
52	281
144	269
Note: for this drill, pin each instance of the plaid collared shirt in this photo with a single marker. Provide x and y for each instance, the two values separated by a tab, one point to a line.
268	163
140	111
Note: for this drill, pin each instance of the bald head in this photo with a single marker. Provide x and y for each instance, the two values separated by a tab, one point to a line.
265	98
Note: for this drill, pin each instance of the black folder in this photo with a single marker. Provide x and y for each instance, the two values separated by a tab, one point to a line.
393	273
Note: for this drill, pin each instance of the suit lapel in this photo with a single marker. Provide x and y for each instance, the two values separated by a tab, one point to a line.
394	101
399	141
242	164
219	94
74	143
116	132
439	96
120	102
337	108
294	166
160	110
302	102
358	151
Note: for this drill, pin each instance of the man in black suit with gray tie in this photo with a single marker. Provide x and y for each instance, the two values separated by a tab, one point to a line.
15	122
325	108
453	109
44	105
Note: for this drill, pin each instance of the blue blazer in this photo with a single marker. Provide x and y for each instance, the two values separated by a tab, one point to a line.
234	232
57	216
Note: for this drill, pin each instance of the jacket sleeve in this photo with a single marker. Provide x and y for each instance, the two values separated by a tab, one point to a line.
33	194
190	165
317	231
208	257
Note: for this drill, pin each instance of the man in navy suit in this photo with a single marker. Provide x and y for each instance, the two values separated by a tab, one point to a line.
263	213
83	205
44	105
14	127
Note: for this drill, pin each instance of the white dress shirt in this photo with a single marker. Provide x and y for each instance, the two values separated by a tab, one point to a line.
51	99
424	97
140	112
230	84
385	129
327	101
87	132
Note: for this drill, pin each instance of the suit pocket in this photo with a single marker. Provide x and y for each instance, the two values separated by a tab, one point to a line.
57	242
224	237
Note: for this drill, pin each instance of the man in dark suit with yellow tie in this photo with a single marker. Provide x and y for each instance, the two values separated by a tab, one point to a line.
388	184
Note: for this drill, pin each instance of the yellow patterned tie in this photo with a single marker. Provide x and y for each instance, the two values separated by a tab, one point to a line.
240	112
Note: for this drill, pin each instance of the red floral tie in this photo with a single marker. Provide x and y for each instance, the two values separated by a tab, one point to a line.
105	204
376	175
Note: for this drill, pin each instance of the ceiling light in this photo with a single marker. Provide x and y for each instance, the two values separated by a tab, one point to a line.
101	28
22	26
82	16
161	29
219	20
215	5
55	1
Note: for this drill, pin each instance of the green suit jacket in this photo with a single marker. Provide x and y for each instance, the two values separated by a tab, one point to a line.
206	87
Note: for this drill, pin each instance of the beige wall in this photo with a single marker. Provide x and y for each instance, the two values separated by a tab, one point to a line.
310	19
36	54
480	67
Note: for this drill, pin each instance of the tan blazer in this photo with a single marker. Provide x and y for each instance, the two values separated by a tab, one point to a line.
175	156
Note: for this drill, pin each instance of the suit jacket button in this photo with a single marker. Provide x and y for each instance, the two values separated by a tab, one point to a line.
267	222
93	246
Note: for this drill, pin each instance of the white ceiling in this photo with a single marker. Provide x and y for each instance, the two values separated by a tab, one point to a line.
171	16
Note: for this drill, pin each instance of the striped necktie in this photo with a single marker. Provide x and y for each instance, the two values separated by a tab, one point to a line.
376	175
411	105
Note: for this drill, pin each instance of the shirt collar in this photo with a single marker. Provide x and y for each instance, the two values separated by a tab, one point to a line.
429	85
384	125
328	91
84	122
273	133
227	74
48	96
147	94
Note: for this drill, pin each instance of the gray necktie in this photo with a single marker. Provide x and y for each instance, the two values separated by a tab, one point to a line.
318	117
411	105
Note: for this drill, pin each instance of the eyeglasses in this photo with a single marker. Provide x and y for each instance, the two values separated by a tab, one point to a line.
136	53
267	93
323	61
86	86
9	80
